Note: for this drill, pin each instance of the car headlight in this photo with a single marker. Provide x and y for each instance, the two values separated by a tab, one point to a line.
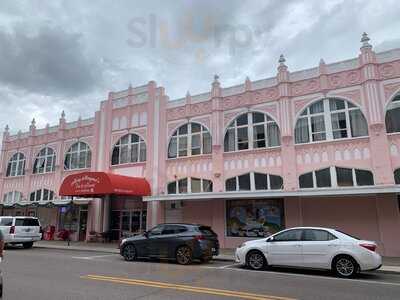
242	245
123	241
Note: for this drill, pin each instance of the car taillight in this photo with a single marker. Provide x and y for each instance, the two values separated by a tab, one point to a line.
12	229
370	247
200	237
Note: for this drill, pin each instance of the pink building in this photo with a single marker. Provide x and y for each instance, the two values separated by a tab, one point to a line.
318	147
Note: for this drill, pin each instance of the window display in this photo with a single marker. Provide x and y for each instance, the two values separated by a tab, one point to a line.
254	218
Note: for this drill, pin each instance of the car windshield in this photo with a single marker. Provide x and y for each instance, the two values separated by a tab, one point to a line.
6	221
352	236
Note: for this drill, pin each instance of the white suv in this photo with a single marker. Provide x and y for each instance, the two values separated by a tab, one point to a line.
21	230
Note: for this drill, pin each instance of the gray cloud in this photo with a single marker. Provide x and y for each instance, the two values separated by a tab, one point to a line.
49	61
68	54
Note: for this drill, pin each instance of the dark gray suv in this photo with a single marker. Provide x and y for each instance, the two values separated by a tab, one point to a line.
181	242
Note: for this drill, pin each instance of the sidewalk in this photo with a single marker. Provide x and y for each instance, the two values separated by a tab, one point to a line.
390	264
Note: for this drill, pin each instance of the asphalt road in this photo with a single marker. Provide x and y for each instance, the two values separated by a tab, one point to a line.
43	274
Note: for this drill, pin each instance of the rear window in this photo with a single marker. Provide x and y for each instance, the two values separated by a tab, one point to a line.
26	222
352	236
207	230
6	221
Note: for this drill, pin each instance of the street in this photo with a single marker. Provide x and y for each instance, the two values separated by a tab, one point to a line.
45	274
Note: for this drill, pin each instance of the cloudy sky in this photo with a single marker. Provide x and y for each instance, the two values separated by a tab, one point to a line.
67	55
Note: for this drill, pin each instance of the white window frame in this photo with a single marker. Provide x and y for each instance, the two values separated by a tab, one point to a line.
50	192
11	197
79	152
252	182
46	156
141	143
188	136
327	114
19	161
189	185
250	131
334	183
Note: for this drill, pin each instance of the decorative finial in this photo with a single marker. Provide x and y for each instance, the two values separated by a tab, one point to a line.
33	123
365	41
247	84
7	129
187	94
63	115
282	60
80	118
321	61
216	77
47	125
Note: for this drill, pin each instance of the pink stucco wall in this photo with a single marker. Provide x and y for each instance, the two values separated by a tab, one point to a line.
369	81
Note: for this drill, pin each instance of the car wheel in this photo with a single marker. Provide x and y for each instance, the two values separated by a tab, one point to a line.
345	266
255	260
129	252
184	255
27	245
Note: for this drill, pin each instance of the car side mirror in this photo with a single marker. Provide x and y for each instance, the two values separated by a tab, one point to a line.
270	239
146	234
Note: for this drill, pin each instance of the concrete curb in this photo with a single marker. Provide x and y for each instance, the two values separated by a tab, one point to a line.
384	269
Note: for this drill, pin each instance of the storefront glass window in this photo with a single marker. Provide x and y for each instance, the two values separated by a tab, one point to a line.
254	218
397	176
69	218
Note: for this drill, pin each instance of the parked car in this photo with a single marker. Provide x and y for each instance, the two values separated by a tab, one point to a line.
182	242
311	247
21	230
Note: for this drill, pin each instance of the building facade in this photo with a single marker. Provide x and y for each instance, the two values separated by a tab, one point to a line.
318	147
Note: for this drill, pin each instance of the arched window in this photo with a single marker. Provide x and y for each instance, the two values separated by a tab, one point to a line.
12	197
42	195
251	130
78	156
130	148
45	161
189	139
190	185
392	119
330	119
254	181
397	176
16	165
336	177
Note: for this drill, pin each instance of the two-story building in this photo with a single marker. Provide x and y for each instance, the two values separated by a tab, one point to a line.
318	147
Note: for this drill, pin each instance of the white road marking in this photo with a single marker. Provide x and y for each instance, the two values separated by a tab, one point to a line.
93	257
366	281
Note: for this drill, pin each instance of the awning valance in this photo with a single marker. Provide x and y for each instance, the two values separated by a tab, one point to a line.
92	184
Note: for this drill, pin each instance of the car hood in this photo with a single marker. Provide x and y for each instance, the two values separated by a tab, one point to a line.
138	237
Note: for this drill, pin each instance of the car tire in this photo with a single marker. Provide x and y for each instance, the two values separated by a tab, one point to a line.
184	255
27	245
345	266
129	252
255	260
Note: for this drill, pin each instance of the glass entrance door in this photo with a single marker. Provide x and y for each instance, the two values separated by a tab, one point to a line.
125	223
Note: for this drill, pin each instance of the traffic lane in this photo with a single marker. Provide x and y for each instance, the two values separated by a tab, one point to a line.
49	268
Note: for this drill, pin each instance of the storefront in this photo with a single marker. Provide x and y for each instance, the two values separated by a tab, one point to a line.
115	210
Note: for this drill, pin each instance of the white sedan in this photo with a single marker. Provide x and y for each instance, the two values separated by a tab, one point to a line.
311	247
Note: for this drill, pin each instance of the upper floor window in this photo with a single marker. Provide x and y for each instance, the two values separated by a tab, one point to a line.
336	177
251	130
190	185
254	181
330	119
189	139
130	148
42	195
12	197
397	176
392	119
78	156
16	165
45	161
